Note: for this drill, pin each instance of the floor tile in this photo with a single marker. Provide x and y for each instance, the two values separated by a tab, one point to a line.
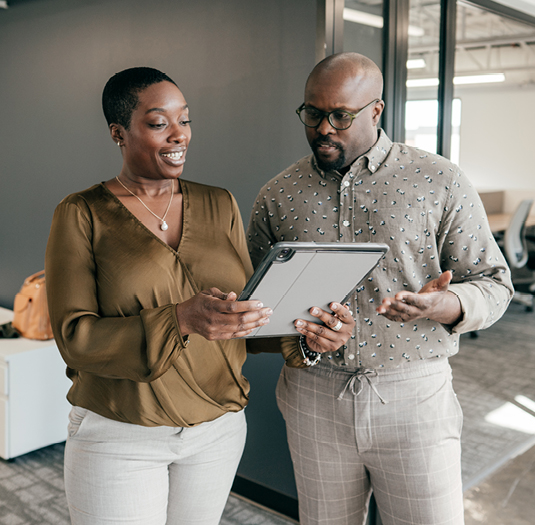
506	497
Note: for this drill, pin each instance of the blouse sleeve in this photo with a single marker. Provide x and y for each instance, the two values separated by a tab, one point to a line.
139	347
237	237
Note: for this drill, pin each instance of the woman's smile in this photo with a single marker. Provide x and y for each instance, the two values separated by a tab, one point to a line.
174	158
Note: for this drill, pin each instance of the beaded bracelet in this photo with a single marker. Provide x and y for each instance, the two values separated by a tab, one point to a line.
311	358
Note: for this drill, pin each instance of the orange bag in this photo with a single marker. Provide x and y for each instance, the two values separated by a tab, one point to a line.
31	318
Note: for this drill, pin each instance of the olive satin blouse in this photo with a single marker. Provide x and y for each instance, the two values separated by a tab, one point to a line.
112	289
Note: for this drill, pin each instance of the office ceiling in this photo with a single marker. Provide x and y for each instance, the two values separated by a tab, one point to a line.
486	42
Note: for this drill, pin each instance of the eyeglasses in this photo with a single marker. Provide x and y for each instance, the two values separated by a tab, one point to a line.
338	119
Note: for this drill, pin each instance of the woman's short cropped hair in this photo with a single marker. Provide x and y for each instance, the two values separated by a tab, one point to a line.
120	95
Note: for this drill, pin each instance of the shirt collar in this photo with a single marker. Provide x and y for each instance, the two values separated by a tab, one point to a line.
374	157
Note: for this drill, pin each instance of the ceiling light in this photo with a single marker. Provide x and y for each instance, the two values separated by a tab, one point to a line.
479	79
474	79
416	31
360	17
367	19
415	63
422	82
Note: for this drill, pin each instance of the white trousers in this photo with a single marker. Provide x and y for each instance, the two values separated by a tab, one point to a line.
117	473
396	432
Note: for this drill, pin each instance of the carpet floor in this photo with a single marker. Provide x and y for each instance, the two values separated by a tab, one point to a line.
494	380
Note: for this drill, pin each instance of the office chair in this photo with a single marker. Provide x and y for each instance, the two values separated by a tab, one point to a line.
516	250
514	246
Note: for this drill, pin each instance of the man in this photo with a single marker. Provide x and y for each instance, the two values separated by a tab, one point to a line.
380	412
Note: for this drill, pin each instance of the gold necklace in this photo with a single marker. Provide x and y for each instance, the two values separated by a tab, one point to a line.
163	225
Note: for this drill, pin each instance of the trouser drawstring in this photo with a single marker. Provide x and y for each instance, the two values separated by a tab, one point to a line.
357	376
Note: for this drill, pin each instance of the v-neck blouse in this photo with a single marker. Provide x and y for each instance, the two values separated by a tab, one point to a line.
112	288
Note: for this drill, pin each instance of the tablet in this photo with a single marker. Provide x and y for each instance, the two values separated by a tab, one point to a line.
294	276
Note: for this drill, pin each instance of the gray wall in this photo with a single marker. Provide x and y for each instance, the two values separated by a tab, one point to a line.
241	65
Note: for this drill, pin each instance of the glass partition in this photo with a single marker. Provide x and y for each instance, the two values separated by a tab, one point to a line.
421	121
363	28
421	111
495	81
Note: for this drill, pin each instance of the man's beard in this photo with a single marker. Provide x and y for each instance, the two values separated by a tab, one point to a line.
333	165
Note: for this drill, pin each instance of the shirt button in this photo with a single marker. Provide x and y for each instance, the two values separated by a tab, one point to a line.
346	183
351	356
346	223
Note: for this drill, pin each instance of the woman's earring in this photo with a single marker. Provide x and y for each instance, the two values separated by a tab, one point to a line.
119	143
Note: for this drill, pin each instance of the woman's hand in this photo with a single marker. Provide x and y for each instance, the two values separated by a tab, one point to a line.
217	315
331	336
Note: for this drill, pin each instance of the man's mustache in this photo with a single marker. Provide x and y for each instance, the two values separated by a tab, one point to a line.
325	142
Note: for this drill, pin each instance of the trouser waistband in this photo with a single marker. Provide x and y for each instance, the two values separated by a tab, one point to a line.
354	378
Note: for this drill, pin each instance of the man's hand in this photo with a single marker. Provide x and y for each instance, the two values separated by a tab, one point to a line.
331	336
433	301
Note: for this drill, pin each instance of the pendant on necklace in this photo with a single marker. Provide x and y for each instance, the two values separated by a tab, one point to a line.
164	226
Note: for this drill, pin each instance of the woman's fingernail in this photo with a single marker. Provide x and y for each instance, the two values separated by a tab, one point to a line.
265	320
299	323
260	305
334	306
269	311
314	311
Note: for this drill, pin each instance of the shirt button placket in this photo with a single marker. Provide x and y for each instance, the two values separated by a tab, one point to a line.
345	226
345	211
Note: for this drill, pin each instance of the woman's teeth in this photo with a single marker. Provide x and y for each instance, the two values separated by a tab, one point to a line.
175	156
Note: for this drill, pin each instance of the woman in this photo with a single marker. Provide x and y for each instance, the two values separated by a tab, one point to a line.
142	272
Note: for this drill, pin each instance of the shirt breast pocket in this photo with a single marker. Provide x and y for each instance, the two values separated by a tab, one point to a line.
405	230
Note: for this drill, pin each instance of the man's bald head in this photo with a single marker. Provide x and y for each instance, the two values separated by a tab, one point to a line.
347	83
342	67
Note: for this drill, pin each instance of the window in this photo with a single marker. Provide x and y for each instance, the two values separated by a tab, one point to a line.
421	120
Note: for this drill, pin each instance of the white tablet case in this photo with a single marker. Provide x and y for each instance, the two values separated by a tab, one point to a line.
316	275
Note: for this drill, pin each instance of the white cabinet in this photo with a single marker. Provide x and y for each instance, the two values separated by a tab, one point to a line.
33	388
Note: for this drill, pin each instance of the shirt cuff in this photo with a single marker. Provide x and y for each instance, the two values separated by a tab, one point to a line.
474	308
182	340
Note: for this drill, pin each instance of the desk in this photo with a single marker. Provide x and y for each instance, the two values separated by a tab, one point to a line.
33	387
499	221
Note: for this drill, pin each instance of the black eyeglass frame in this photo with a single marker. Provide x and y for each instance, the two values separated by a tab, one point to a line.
329	114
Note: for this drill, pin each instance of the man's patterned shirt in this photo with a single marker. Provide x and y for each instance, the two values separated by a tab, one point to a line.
429	214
